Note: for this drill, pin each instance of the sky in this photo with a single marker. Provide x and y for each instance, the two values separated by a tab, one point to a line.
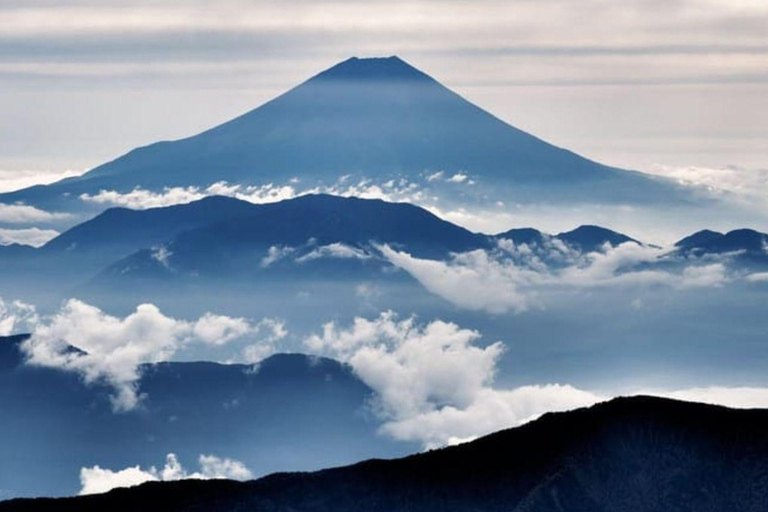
644	84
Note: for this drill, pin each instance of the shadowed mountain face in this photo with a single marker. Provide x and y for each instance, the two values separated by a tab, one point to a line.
632	454
314	229
374	118
291	411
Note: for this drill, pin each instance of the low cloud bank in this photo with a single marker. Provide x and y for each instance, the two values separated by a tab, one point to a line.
512	277
96	480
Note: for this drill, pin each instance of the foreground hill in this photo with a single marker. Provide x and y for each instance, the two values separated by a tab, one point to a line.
376	118
631	454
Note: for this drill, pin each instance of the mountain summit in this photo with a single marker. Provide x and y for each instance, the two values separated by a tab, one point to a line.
373	119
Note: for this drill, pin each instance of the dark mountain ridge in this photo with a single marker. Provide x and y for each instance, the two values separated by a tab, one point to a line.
638	454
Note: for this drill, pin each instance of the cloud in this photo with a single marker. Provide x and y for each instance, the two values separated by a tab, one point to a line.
513	277
22	214
733	183
492	410
34	237
758	277
433	383
472	280
270	331
15	316
111	350
412	368
276	253
458	178
435	176
140	198
738	397
16	179
334	250
96	480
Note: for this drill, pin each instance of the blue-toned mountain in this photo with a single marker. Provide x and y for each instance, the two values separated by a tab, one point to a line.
376	118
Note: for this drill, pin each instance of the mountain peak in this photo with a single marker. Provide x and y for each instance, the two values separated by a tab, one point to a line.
375	69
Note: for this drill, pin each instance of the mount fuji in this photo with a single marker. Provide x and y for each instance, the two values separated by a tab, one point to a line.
377	118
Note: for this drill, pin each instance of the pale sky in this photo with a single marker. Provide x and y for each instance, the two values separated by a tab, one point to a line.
636	84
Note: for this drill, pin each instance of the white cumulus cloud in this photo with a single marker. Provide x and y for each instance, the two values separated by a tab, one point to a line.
16	315
96	480
433	383
111	350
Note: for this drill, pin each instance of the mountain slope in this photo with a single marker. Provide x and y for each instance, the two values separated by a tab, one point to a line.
631	454
376	118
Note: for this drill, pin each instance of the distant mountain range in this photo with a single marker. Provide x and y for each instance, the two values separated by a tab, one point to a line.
364	118
290	412
308	237
636	454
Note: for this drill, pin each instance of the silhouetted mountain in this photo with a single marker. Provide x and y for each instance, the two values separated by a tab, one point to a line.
375	118
291	411
528	236
592	238
636	454
746	245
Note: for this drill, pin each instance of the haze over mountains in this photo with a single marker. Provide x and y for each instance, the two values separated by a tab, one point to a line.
407	316
308	237
367	118
639	454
